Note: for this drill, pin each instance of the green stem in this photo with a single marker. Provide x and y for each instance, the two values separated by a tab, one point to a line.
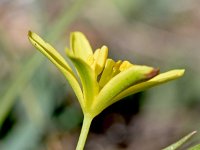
84	132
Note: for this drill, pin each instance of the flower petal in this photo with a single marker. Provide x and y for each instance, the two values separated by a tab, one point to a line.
80	46
48	50
157	80
88	80
119	83
58	60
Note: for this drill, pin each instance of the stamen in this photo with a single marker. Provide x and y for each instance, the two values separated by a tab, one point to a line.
100	57
90	60
113	68
125	65
107	72
116	68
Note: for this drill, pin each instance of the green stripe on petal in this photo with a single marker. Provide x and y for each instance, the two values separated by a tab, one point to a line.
58	60
119	83
88	80
157	80
80	46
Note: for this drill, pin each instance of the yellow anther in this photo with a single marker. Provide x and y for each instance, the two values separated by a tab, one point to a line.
100	57
125	65
107	72
96	53
116	68
90	60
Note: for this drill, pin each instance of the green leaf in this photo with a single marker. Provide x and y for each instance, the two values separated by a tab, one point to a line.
80	46
196	147
119	83
180	142
58	60
157	80
88	80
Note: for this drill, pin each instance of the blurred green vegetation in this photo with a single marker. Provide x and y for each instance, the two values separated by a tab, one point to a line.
38	109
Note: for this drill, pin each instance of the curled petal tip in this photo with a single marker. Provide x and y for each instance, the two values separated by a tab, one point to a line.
29	33
180	72
153	73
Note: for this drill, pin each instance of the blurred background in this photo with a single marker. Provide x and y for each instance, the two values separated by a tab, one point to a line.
38	109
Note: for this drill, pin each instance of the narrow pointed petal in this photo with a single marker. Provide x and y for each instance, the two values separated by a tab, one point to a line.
88	80
157	80
48	51
80	46
119	83
58	60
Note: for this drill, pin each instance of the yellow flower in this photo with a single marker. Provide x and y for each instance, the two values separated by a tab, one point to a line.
100	81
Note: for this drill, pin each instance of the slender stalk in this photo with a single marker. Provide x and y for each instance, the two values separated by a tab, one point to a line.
84	132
